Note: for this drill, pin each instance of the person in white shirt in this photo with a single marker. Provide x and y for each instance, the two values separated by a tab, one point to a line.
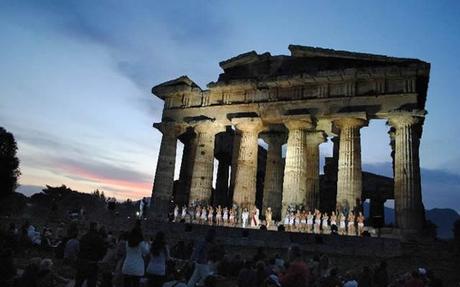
133	265
159	256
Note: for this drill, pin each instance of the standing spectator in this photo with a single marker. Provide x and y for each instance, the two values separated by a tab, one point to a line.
133	265
72	247
159	255
381	275
297	274
247	276
365	279
200	257
332	280
92	249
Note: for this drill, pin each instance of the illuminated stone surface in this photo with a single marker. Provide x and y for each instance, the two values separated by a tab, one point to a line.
313	93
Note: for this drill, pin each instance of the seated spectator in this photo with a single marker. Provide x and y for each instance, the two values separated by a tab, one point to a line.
30	275
7	268
350	280
178	279
46	277
414	280
235	265
365	279
260	255
247	276
332	280
260	273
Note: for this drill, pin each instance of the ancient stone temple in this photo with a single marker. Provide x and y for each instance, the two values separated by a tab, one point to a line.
299	100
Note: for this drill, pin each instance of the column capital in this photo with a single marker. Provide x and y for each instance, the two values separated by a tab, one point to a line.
350	123
274	138
401	119
248	124
316	137
298	123
209	127
172	129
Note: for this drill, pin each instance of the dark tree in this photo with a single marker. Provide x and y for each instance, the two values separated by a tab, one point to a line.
9	163
456	231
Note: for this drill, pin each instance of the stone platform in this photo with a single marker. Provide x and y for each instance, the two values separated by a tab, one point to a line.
253	238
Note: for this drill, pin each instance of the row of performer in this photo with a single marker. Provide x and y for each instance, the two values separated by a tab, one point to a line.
295	220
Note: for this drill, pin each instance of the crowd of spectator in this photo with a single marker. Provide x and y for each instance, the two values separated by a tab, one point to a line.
98	258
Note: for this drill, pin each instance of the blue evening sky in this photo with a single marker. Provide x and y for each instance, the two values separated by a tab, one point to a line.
75	78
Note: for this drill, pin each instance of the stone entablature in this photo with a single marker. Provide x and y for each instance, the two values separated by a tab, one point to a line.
301	99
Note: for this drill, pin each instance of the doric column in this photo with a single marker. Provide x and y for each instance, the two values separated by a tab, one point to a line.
186	168
349	178
221	192
273	182
244	194
164	174
203	167
409	211
294	192
314	139
235	152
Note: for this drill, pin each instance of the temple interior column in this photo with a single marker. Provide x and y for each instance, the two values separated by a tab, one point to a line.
186	168
376	208
234	166
409	211
294	192
244	194
313	140
203	167
164	174
221	192
349	178
273	182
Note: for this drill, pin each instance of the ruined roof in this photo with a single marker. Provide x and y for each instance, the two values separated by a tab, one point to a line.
182	83
303	60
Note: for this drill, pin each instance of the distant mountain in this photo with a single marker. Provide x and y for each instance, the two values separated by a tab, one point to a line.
29	190
444	219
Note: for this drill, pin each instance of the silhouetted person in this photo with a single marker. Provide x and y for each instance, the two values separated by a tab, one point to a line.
159	255
381	275
297	274
92	249
201	258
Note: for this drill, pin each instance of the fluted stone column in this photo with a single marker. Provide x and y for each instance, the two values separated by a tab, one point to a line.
203	167
349	178
221	192
244	194
186	168
409	211
295	169
273	182
314	139
234	167
164	175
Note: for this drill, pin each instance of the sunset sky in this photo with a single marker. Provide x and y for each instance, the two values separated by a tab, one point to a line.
75	78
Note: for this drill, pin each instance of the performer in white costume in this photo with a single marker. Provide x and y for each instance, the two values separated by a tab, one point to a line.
268	216
309	222
245	217
176	213
325	223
